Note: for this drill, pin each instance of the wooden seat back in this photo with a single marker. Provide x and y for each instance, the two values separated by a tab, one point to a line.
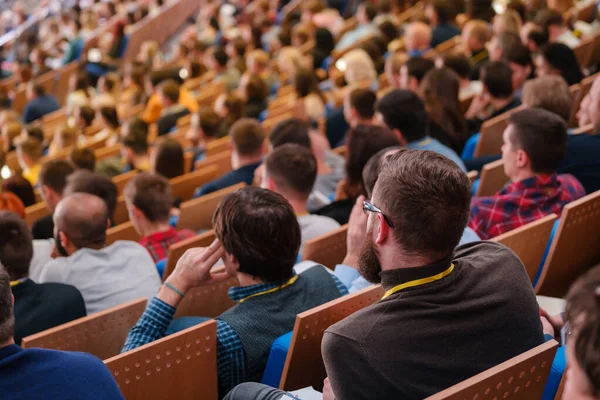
121	214
183	186
62	84
197	213
177	249
222	161
520	378
122	180
328	249
529	242
490	142
179	366
304	363
492	179
209	94
217	147
574	248
101	334
583	52
35	212
125	231
107	152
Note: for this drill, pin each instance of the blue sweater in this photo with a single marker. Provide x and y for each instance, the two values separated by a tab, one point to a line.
51	374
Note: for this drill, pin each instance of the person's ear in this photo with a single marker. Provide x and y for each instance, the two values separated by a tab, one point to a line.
522	159
270	184
64	239
383	230
413	84
400	137
231	261
137	213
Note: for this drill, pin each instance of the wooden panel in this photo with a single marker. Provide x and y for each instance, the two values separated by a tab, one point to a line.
217	147
595	57
101	334
490	142
207	301
197	214
472	175
575	246
179	366
577	95
583	52
177	249
35	212
125	231
108	152
492	179
304	363
62	85
529	242
520	378
222	161
123	179
121	214
184	186
328	249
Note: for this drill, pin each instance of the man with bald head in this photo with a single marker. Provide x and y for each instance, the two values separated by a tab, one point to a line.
417	39
105	275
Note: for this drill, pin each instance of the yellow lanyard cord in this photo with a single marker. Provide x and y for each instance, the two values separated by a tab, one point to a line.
288	283
418	282
15	283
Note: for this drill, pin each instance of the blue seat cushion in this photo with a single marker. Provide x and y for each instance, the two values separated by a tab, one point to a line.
470	146
556	372
160	266
276	361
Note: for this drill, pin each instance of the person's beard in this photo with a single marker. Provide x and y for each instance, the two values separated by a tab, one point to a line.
59	247
368	261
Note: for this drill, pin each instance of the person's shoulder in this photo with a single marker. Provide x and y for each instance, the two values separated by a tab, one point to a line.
572	184
486	254
357	325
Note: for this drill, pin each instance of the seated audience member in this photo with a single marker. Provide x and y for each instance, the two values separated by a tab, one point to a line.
440	14
29	154
392	68
63	138
475	35
291	171
403	112
41	373
534	144
109	121
10	202
462	67
106	88
497	96
236	51
558	59
519	60
79	93
167	159
553	23
417	39
53	179
34	132
135	149
204	128
83	159
413	72
9	132
20	187
258	64
229	76
258	237
247	139
509	21
307	89
40	103
413	239
256	93
365	15
330	166
84	117
230	108
37	306
149	200
359	107
501	44
172	110
105	275
153	110
84	181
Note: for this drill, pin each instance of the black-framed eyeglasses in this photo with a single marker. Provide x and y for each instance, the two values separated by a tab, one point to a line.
369	207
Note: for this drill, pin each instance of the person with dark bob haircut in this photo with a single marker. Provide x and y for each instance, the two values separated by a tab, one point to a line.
20	187
258	238
167	159
559	59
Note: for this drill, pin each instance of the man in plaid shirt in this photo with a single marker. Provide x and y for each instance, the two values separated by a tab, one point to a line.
149	201
534	144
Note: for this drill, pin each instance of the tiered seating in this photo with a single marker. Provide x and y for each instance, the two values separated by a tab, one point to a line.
328	249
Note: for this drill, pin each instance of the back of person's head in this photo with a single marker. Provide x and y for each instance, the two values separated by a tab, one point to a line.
259	58
84	181
83	158
80	220
292	130
503	43
476	33
168	159
417	67
111	116
458	63
518	54
388	30
444	10
428	220
372	168
497	79
369	9
54	174
256	89
35	132
209	122
508	21
20	187
16	246
37	89
66	136
547	18
110	82
404	111
137	141
259	229
150	194
247	137
550	93
170	91
137	125
583	346
542	135
562	58
10	202
362	142
7	318
32	148
87	114
305	82
235	107
293	170
220	56
363	101
359	67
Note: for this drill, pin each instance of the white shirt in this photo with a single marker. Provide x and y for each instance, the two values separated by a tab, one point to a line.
569	39
116	274
312	226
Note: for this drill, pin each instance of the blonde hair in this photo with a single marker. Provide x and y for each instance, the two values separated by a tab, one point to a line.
479	29
68	136
550	93
289	60
359	67
259	57
511	21
32	148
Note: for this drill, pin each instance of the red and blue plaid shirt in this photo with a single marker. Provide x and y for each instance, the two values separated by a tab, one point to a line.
522	202
158	243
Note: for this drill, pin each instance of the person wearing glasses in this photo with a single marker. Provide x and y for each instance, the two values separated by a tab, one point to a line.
448	314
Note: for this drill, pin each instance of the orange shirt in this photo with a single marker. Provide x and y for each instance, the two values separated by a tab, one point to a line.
154	108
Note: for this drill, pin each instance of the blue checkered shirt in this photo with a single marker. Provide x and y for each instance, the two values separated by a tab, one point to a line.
231	357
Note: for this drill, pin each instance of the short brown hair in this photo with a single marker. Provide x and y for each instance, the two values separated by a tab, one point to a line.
151	194
170	89
550	93
247	136
68	136
293	168
363	100
32	148
428	219
7	318
542	135
373	168
583	314
16	246
260	229
54	174
479	29
83	159
256	89
210	122
84	181
137	141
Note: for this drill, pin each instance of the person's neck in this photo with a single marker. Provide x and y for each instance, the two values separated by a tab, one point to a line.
556	33
156	227
395	259
298	205
499	104
9	342
247	280
238	161
361	121
522	174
